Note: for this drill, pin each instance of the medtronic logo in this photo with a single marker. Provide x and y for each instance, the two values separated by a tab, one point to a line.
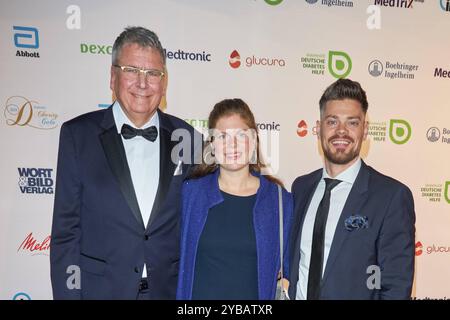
35	180
339	64
273	2
376	68
433	134
26	38
235	59
445	5
399	131
187	56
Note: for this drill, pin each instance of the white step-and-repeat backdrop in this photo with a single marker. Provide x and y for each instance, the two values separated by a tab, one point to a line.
277	55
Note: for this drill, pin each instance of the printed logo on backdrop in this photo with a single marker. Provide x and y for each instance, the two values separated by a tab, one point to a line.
333	3
273	2
434	134
422	249
26	38
92	48
254	61
21	296
33	246
202	125
399	131
404	4
302	128
183	55
441	73
392	70
445	5
339	63
36	180
437	192
20	111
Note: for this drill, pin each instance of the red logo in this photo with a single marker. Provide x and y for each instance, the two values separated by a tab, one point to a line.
302	128
419	248
235	59
32	245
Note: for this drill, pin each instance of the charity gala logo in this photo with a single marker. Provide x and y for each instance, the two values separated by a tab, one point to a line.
20	111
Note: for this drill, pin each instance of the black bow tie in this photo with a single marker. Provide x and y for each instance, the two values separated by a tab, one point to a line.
149	133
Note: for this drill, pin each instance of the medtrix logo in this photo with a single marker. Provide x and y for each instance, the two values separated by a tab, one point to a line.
419	248
253	61
26	38
35	180
235	60
31	245
302	128
406	4
20	111
187	56
441	73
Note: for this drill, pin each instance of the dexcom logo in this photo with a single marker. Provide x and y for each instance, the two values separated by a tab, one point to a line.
234	61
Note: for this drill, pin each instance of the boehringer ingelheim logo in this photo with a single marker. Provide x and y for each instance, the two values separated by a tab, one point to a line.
433	134
375	68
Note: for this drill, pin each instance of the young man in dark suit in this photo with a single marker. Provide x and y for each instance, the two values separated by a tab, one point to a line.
353	230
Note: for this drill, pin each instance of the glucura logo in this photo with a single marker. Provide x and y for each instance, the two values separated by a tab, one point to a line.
235	60
302	128
253	61
419	248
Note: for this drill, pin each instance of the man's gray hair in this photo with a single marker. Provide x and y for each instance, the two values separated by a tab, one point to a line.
138	35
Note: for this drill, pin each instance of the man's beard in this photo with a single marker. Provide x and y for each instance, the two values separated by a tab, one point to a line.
340	157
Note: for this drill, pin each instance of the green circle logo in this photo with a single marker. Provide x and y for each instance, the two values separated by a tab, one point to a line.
273	2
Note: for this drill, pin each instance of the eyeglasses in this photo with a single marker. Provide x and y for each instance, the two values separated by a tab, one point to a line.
152	76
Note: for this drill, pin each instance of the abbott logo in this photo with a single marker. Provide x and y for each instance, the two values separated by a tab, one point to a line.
339	64
399	131
26	37
235	60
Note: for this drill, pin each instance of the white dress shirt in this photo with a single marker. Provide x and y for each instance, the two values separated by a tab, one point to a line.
143	161
339	196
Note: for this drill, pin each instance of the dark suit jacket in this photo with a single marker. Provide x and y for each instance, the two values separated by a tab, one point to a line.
388	242
97	224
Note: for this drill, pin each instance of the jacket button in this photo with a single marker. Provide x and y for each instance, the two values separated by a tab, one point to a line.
146	237
136	269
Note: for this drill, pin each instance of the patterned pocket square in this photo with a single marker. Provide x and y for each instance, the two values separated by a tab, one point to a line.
356	222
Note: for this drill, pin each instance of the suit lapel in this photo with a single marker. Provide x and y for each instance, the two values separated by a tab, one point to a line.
355	201
117	160
166	166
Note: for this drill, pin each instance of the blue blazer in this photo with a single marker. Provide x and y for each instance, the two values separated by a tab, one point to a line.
388	242
199	195
97	224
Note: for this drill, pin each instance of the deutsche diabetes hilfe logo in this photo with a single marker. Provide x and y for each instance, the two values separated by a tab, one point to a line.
235	60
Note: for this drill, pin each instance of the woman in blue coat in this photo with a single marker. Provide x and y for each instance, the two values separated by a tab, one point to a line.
230	245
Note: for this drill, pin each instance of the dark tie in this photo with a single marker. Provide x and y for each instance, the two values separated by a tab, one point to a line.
318	242
149	133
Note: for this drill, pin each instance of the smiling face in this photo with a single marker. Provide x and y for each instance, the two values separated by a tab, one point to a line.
138	98
342	130
233	142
